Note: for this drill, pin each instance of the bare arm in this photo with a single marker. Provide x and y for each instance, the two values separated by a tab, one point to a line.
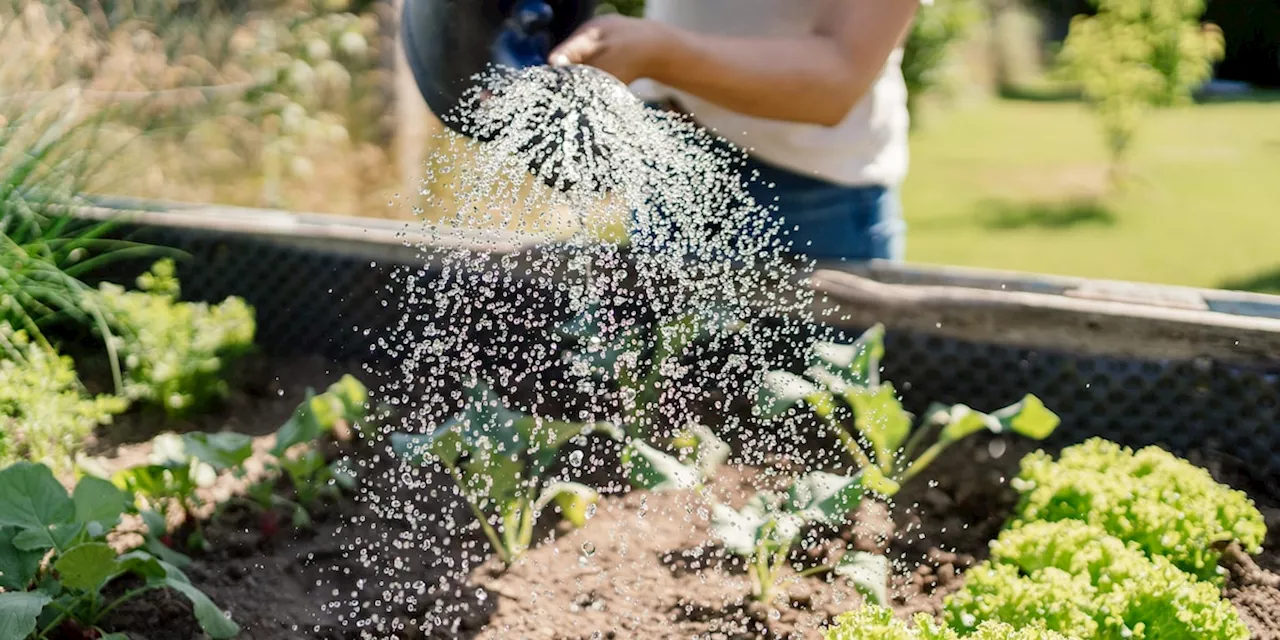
815	79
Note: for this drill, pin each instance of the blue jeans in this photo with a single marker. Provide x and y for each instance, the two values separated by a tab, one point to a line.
824	221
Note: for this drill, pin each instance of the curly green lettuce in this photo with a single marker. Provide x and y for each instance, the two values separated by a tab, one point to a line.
1166	505
1077	579
877	623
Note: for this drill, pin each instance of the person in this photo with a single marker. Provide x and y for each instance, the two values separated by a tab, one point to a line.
812	90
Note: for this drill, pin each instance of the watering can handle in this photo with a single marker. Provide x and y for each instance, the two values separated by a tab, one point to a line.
524	40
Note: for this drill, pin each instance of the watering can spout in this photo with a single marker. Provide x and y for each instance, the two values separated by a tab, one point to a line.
448	43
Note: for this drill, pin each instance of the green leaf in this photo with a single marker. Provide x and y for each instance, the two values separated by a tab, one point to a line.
18	567
881	420
87	567
737	531
868	573
19	612
58	536
221	451
574	500
99	501
353	395
1028	418
211	619
782	390
959	422
709	451
825	497
31	498
418	448
302	426
648	468
858	363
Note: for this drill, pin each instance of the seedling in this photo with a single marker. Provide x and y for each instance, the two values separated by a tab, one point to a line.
842	388
55	562
499	459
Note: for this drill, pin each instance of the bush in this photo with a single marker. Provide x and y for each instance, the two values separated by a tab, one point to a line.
878	623
44	412
935	30
1077	579
176	354
1166	506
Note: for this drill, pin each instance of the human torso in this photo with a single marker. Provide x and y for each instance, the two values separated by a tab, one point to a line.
868	148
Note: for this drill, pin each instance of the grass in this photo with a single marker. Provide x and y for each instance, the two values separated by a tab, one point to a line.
1022	185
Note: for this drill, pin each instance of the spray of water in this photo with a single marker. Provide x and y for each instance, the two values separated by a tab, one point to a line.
698	255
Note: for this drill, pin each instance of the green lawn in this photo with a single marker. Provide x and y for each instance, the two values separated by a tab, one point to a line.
1022	185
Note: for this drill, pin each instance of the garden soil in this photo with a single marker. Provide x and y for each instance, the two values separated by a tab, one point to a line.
643	567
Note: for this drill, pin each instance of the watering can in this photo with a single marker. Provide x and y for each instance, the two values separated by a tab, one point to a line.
448	42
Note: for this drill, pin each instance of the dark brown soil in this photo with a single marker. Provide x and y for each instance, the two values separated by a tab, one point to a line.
643	567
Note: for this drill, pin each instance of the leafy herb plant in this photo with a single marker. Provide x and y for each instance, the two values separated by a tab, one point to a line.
45	413
499	459
176	354
842	387
55	563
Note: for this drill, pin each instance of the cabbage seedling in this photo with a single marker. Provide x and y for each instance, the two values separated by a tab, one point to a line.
842	387
765	529
499	459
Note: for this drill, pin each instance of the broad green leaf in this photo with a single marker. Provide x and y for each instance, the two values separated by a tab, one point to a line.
868	573
709	451
87	566
857	363
143	565
221	451
648	468
19	612
736	530
31	498
781	390
58	536
492	471
881	420
1028	418
574	500
99	501
825	497
17	566
211	619
418	448
961	422
302	426
353	395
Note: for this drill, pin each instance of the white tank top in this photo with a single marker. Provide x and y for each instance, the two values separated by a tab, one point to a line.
868	148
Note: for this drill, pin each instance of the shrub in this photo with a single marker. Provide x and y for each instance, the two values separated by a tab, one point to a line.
1166	506
1077	579
934	32
878	623
175	353
44	411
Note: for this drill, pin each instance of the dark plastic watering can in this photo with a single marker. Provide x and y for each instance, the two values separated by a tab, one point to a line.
447	42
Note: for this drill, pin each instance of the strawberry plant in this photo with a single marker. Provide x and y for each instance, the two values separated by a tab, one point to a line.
842	387
56	564
180	466
499	459
175	354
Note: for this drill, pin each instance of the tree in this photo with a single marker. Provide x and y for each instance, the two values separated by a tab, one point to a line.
1136	55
